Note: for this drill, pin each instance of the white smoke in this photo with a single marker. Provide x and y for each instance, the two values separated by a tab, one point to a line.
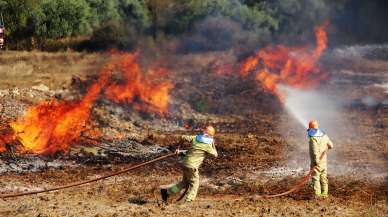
320	105
306	105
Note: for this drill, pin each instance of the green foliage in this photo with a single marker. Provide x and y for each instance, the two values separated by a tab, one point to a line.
257	18
16	15
298	17
135	12
120	21
61	18
103	11
114	34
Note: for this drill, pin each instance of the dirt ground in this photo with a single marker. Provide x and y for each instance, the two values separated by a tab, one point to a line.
262	149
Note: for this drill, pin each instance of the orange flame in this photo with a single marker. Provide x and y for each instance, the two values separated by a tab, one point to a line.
52	126
138	86
292	66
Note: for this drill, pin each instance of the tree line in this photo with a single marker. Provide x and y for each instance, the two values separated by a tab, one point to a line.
121	22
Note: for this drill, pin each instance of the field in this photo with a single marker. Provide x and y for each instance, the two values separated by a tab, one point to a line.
262	147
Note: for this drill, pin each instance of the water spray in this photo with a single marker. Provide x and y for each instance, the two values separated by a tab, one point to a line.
306	105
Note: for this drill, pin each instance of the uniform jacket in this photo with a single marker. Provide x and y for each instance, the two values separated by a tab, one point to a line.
318	143
201	144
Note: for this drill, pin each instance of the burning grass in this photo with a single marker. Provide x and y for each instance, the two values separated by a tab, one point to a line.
138	88
52	126
291	66
247	144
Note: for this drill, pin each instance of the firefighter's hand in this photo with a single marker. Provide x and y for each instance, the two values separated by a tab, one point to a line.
177	151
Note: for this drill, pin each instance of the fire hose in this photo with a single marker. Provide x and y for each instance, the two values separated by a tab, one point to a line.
294	188
87	181
291	190
299	185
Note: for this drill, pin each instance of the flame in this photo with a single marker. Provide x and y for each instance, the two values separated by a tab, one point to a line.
52	126
291	66
138	86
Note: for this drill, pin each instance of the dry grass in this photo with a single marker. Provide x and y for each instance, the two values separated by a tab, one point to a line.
24	69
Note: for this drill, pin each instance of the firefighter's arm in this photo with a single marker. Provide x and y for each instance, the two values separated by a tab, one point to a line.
330	144
183	139
314	152
212	150
188	138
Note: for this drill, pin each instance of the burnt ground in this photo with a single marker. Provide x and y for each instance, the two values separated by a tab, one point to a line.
262	148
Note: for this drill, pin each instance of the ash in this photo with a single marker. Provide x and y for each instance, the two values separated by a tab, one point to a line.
31	164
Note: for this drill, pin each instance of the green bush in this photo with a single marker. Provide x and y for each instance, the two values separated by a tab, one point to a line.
61	18
112	35
122	22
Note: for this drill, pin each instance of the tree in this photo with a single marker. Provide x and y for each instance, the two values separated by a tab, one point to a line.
135	12
297	18
16	17
103	12
258	17
61	18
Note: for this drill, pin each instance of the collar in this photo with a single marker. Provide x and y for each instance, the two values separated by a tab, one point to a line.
311	132
203	138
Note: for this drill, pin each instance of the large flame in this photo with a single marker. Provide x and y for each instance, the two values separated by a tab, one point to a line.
143	91
52	126
291	66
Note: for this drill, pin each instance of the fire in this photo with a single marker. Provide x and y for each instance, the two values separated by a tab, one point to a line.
291	66
141	90
52	126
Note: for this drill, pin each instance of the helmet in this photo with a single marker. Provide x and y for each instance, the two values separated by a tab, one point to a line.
313	124
209	130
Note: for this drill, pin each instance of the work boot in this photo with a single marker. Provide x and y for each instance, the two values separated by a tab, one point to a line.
188	200
316	197
324	195
164	194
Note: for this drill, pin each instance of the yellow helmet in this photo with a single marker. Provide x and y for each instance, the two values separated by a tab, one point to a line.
209	130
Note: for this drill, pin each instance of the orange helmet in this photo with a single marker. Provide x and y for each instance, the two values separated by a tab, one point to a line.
210	131
313	124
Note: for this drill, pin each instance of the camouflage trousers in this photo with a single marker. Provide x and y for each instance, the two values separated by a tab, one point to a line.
320	182
190	180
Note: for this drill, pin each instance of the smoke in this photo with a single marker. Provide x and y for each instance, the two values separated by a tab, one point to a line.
369	51
358	141
306	105
217	33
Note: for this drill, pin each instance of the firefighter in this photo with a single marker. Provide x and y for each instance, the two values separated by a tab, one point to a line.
318	143
202	144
